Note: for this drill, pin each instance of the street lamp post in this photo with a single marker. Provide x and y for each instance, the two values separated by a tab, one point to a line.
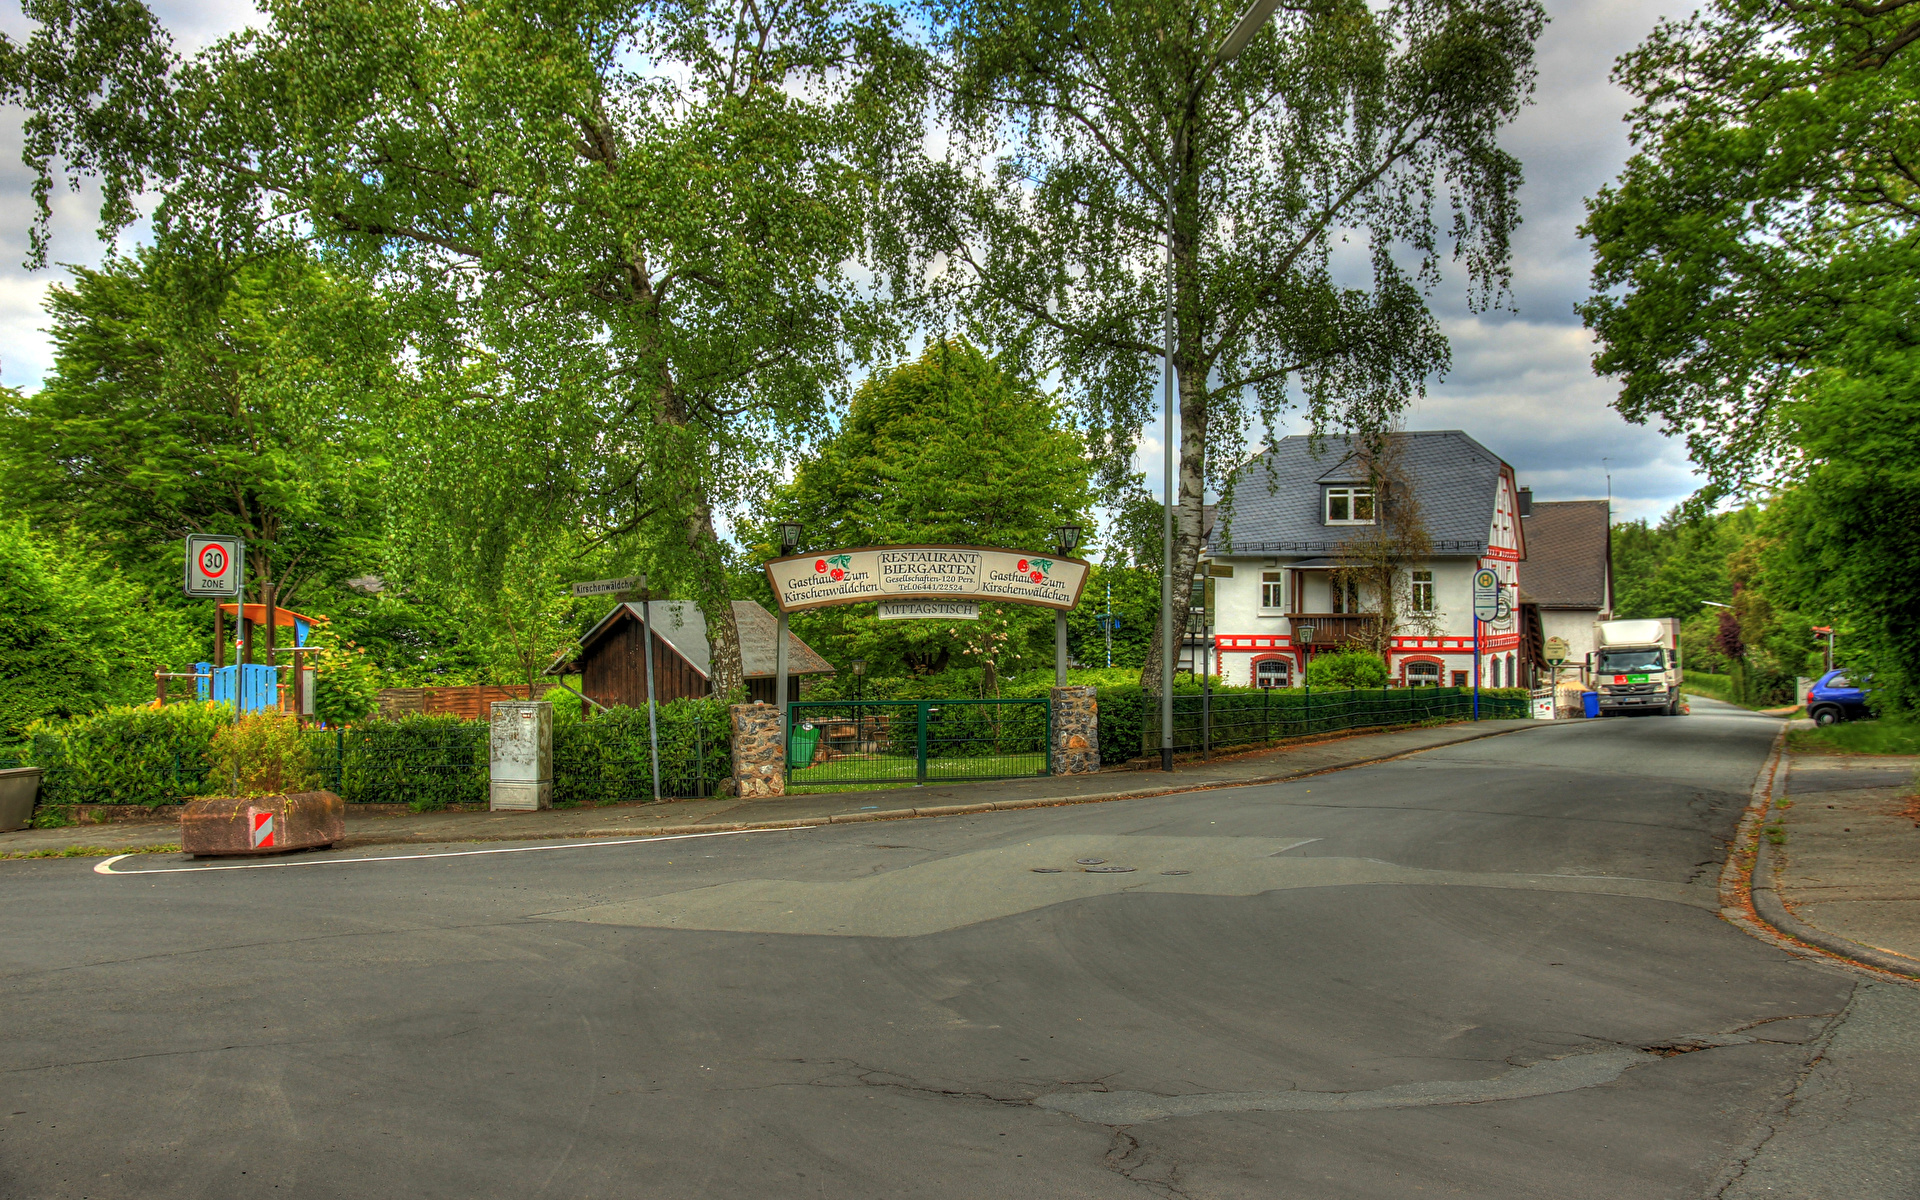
1066	537
1251	22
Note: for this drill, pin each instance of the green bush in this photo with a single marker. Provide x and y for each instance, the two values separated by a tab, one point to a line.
426	762
1883	736
136	755
607	759
1347	669
263	754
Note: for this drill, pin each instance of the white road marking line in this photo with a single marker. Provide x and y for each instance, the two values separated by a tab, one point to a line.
105	867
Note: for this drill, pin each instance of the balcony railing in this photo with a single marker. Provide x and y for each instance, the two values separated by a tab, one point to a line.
1333	629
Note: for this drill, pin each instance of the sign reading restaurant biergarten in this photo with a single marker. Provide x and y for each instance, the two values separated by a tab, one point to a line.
869	573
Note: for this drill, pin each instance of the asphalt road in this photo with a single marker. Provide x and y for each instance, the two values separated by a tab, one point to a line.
1492	970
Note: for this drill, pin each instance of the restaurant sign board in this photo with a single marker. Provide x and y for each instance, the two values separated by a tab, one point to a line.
868	573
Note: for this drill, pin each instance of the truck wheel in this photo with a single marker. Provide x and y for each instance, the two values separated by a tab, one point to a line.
1825	716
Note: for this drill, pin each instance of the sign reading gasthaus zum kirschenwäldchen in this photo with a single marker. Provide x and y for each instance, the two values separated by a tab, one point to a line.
869	573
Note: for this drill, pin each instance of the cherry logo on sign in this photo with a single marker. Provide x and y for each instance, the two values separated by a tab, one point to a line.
1037	570
213	561
833	566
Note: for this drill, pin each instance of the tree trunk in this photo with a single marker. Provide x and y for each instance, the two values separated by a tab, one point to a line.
726	673
1188	513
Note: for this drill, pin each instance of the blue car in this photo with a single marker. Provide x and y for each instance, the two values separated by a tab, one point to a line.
1835	697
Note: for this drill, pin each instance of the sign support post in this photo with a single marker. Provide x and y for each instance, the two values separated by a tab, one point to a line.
1476	668
653	728
780	670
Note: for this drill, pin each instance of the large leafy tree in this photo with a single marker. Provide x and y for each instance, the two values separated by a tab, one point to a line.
206	393
949	448
1116	135
1754	274
636	214
1769	208
76	636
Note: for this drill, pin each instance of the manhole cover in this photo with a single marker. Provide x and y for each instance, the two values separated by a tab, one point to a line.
1183	872
1089	862
1045	870
1108	870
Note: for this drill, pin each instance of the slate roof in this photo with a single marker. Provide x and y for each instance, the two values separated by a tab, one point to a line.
1277	504
683	626
1567	553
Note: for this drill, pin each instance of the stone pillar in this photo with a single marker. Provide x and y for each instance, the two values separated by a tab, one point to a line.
758	745
1076	731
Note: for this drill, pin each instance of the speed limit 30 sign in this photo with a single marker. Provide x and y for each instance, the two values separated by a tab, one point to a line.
215	565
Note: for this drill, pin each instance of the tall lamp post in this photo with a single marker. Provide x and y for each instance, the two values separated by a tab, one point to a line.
790	532
1251	22
1066	538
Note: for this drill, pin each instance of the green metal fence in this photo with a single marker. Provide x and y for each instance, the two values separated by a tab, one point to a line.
1230	719
838	745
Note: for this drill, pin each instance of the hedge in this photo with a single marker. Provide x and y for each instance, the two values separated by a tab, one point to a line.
134	755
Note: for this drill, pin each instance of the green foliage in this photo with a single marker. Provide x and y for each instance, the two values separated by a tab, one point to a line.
952	449
76	636
1091	141
1764	220
1347	669
607	759
624	256
194	392
1858	737
420	760
346	684
262	754
139	755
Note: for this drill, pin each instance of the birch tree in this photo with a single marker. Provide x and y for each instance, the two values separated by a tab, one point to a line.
1309	192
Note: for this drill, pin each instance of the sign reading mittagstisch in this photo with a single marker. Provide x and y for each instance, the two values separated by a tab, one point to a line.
865	573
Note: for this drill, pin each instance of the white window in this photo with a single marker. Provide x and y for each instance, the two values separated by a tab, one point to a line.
1349	506
1423	674
1273	591
1273	673
1423	591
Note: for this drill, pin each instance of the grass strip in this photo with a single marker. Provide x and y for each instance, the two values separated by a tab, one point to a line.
95	851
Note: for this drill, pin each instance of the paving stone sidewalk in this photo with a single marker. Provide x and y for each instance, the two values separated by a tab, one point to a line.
641	820
1850	863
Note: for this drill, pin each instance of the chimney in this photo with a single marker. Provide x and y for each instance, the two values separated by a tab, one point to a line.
1526	502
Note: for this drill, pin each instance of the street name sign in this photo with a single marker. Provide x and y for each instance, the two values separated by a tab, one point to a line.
610	587
867	573
1486	595
216	566
929	610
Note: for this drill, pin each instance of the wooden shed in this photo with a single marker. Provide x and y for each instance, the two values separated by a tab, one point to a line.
612	664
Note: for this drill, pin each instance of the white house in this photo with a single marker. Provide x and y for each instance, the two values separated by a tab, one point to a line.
1295	514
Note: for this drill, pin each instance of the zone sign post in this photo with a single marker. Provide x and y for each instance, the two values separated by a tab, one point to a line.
215	566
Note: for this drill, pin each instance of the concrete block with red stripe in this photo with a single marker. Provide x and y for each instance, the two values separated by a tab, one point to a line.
222	825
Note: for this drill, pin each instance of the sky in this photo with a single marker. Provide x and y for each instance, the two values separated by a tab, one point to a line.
1521	382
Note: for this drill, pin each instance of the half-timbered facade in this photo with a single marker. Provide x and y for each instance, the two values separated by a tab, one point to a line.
1284	564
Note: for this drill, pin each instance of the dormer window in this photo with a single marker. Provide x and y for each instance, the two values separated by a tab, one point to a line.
1349	506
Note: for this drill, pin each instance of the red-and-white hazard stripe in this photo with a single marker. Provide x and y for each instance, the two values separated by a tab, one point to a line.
262	828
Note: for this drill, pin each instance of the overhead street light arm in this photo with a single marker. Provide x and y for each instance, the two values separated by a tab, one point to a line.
1243	30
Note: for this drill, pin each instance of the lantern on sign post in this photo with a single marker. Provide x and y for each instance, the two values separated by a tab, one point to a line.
1066	536
790	532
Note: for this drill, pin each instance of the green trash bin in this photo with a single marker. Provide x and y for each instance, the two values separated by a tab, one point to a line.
800	745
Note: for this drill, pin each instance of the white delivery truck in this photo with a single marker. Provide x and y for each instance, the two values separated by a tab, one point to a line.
1635	666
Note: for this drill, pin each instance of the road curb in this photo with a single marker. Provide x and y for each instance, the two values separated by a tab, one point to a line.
1750	898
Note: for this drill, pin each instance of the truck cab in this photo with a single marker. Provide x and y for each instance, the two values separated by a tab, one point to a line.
1636	668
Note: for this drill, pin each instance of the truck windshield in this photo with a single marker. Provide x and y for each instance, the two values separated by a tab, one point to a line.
1624	662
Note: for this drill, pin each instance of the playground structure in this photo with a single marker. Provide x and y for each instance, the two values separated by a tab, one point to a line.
252	687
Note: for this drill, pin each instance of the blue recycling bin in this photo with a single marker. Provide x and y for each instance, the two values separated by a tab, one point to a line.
1590	703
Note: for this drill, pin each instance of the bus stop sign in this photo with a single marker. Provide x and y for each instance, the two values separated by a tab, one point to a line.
1486	595
215	565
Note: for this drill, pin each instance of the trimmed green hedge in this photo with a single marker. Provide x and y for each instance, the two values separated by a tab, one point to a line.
135	755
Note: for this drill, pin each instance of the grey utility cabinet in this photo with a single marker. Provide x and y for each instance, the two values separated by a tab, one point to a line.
522	755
